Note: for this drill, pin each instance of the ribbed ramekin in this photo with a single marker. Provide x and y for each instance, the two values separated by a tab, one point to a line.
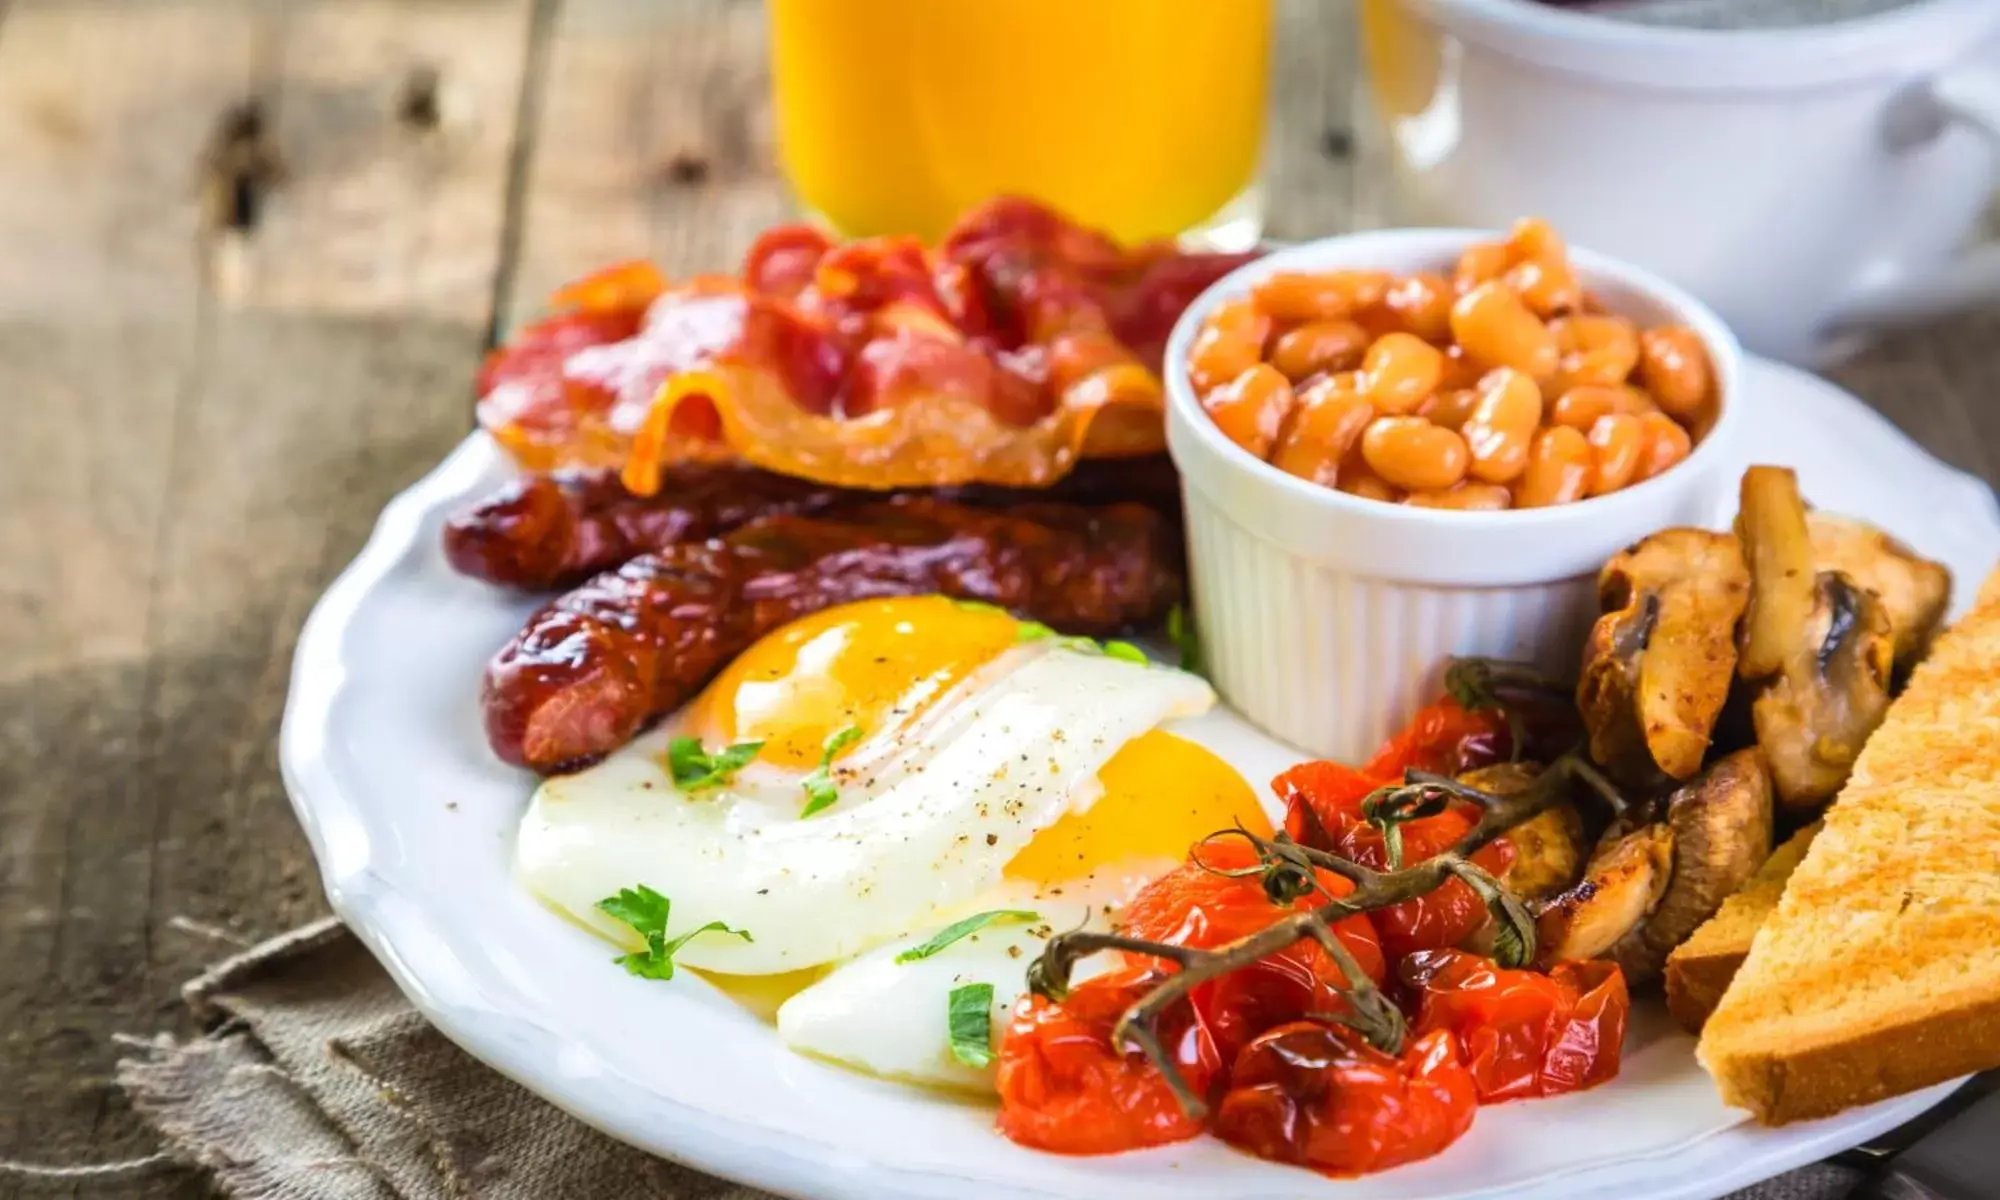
1326	618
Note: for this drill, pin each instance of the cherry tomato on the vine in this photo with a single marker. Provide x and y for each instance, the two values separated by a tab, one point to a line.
1193	905
1444	738
1323	810
1322	1097
1524	1033
1065	1088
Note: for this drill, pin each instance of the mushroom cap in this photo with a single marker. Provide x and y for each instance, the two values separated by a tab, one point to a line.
1620	887
1913	590
1721	827
1813	719
1548	847
1659	662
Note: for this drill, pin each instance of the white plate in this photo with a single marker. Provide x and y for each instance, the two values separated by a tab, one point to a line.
412	821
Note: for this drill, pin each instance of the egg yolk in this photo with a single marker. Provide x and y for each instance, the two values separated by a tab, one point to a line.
870	665
1162	793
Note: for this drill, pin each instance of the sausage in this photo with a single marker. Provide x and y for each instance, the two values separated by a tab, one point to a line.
595	666
542	533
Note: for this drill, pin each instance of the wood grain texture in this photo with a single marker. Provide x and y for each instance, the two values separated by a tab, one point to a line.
250	252
250	269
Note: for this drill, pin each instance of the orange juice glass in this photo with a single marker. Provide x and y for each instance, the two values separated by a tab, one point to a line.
1142	117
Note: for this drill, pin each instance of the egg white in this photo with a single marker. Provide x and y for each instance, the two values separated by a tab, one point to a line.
891	1019
928	817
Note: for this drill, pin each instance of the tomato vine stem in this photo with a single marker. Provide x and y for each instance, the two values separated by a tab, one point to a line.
1284	864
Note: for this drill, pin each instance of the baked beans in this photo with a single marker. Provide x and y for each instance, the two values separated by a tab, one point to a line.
1490	383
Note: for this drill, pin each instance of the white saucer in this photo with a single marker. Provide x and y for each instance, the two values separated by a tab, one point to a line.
411	819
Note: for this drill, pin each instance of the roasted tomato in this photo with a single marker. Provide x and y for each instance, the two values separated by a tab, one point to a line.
1523	1033
1323	810
1445	739
1323	801
1193	906
1322	1097
1065	1088
1448	914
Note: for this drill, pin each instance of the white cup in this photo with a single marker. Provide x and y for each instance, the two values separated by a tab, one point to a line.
1808	183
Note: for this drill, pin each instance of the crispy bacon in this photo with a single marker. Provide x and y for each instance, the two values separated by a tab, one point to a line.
600	663
1021	346
543	532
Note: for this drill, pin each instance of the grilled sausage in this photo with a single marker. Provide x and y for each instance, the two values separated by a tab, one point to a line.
600	663
542	533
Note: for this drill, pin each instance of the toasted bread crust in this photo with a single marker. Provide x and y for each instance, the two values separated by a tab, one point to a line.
1879	971
1695	983
1799	1083
1699	969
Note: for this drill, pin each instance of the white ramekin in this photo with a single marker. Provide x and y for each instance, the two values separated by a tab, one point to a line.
1326	618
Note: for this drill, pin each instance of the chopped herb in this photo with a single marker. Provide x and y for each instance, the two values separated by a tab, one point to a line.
1180	630
980	606
971	1022
645	911
820	792
1126	652
1033	631
696	770
959	929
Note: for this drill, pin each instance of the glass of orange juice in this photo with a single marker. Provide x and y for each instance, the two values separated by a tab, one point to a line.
1141	117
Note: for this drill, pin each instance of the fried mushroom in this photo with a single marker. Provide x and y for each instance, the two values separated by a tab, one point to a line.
1658	664
1913	590
1548	847
1621	886
1645	891
1818	645
1721	826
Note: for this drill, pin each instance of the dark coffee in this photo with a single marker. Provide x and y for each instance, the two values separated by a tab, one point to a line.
1735	14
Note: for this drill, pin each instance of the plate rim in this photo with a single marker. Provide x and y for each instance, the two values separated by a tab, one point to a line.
408	944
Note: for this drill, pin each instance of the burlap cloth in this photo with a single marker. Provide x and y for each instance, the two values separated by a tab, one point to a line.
320	1082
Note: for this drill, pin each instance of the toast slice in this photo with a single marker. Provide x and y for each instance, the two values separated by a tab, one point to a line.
1879	972
1699	969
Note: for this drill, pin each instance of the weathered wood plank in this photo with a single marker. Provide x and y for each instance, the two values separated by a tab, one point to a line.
220	380
100	321
1310	164
654	139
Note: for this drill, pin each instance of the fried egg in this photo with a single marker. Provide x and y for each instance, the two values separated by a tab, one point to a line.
1159	794
964	756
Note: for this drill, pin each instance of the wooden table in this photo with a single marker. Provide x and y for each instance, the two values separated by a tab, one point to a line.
250	254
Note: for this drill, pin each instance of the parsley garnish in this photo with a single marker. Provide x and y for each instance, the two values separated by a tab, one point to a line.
1126	652
1033	631
958	929
820	792
645	910
981	606
971	1022
696	770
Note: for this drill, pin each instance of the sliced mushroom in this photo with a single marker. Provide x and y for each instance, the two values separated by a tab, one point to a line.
1721	827
1646	890
1912	589
1659	661
1621	886
1548	847
1819	644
